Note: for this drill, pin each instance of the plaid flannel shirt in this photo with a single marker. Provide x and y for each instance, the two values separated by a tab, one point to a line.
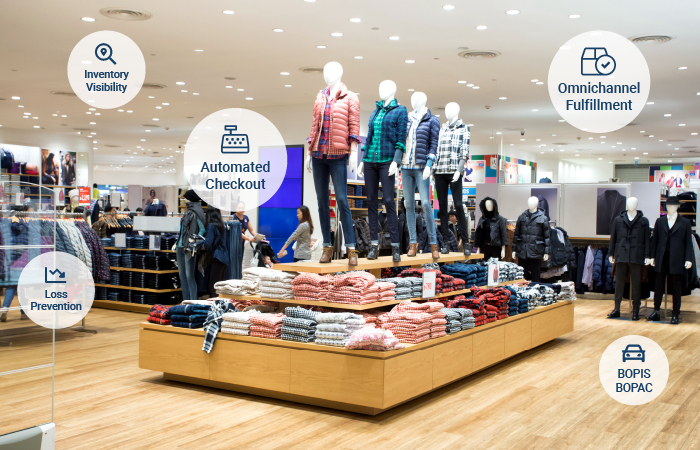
304	324
212	325
294	337
453	147
387	132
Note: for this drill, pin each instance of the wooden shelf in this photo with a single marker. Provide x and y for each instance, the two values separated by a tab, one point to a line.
358	209
355	307
139	249
126	269
362	381
132	288
381	262
122	306
687	213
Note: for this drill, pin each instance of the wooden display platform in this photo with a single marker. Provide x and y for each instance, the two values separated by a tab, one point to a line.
293	301
122	306
372	265
359	381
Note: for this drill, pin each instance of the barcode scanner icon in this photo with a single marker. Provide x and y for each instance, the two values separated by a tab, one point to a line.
234	143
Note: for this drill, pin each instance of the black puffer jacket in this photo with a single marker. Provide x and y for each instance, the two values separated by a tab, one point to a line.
531	237
630	240
497	230
561	249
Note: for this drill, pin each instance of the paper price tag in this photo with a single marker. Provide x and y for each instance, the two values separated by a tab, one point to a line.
120	240
429	284
154	242
493	275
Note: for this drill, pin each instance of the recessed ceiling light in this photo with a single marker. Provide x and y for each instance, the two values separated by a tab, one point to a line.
554	135
184	90
650	103
498	132
502	98
561	149
600	159
195	93
619	143
522	139
448	7
535	110
670	160
393	38
462	82
475	87
229	87
287	85
63	115
645	153
667	115
15	98
355	20
512	12
55	115
240	90
562	120
227	11
148	131
470	85
93	123
120	110
535	80
634	148
249	98
358	57
199	50
180	83
481	27
578	155
542	153
156	119
538	140
682	68
681	124
602	142
284	73
661	140
540	82
651	135
37	126
277	30
574	16
409	61
336	34
320	46
88	19
693	134
411	90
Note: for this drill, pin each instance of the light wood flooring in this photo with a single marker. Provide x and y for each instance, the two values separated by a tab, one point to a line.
547	398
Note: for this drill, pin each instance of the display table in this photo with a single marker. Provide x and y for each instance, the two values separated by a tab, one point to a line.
361	381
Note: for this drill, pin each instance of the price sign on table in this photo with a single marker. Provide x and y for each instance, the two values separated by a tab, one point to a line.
429	284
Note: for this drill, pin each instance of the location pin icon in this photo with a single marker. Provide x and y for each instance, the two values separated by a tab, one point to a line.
104	50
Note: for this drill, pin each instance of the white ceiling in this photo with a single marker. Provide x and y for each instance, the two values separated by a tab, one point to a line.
37	37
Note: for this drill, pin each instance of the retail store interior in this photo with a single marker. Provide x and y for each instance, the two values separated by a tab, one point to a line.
469	310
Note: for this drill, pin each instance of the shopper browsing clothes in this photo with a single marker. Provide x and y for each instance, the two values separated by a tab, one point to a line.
192	222
302	235
215	255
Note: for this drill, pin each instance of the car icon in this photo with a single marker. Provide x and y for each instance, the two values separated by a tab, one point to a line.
633	352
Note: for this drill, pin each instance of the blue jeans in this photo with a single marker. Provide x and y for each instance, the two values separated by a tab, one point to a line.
10	292
412	178
186	266
337	170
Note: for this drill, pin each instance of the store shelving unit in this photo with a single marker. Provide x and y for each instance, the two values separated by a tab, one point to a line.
367	382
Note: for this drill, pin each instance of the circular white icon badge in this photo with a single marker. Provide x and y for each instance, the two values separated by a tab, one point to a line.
235	159
106	69
633	370
56	290
599	81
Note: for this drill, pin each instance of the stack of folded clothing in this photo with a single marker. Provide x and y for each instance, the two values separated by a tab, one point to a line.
433	266
468	320
355	288
237	287
242	305
386	291
370	317
453	316
475	305
416	286
567	291
523	305
519	272
312	286
413	322
373	339
467	272
268	326
547	296
189	316
159	314
299	324
513	305
276	284
237	323
403	287
390	272
335	329
528	293
498	298
253	274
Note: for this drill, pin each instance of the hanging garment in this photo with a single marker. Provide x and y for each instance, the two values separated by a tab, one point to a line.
610	204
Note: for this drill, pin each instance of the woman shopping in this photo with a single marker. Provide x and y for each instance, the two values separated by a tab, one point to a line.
302	235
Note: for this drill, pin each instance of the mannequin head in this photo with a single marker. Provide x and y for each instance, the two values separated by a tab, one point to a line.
672	209
418	100
332	73
489	205
387	90
532	203
632	203
452	112
73	194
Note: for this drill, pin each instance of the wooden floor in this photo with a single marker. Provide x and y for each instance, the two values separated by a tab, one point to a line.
547	398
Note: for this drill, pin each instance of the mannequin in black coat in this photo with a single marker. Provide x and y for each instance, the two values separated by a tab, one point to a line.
672	252
531	240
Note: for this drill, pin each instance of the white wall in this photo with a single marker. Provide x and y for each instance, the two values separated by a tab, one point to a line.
569	172
122	177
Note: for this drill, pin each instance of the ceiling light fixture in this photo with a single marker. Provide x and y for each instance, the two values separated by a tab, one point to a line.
645	153
574	16
249	98
195	93
88	19
448	7
393	38
481	27
650	103
462	82
227	11
278	30
540	82
320	46
287	85
411	90
535	110
409	61
470	85
502	98
534	81
184	90
682	68
15	98
336	34
180	83
512	12
475	87
284	73
240	90
355	20
358	57
681	124
667	115
199	50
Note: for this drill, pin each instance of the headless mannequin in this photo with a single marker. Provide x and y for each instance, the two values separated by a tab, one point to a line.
672	215
418	102
532	203
489	207
632	204
387	93
155	201
332	73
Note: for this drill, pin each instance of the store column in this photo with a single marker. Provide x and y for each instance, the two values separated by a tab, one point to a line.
180	176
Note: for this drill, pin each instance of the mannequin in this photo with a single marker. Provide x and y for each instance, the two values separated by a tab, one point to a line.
491	234
672	251
453	145
332	147
630	244
421	145
531	239
74	199
383	151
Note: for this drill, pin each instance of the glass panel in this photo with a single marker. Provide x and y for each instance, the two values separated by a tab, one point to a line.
25	399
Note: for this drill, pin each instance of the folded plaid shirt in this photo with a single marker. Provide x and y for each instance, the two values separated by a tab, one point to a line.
453	147
299	323
296	338
161	311
267	320
158	320
301	313
298	331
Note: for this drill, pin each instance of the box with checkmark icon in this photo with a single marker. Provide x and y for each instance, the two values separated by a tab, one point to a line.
596	61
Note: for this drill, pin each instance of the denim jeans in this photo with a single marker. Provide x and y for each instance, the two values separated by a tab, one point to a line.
374	174
186	266
412	178
337	170
10	292
443	183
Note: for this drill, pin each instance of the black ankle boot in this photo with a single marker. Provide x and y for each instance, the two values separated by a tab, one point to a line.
395	253
675	320
445	250
373	252
635	313
654	317
614	314
467	251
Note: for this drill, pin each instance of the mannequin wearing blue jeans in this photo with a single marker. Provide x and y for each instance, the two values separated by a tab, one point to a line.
324	170
412	178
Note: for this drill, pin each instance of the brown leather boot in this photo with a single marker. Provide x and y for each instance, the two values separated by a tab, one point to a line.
352	257
412	250
327	255
435	250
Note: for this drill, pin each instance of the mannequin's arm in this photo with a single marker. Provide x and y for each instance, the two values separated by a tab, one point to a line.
503	251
